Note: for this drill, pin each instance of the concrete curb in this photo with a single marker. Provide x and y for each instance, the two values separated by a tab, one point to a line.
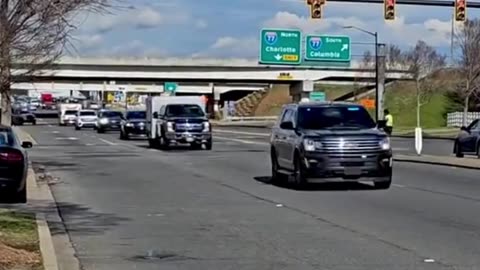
47	250
49	257
429	161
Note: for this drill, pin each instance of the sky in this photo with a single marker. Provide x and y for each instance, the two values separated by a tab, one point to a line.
230	28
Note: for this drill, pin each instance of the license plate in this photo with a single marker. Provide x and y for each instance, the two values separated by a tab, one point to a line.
353	171
189	139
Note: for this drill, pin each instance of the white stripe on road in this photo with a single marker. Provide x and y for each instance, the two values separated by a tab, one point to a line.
242	133
397	185
66	138
241	141
107	142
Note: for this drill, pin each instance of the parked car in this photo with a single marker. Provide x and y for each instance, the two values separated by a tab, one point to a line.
13	166
468	140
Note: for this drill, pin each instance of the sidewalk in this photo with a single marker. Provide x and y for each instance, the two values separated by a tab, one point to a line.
467	162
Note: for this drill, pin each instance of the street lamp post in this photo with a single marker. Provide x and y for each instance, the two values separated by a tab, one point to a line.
375	35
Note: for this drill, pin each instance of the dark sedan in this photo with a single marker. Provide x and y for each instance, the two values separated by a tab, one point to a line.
13	166
468	140
133	124
109	120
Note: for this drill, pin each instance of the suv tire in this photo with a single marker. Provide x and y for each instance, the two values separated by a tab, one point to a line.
274	162
298	178
383	184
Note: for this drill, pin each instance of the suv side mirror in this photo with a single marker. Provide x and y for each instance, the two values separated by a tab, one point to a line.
464	128
155	115
27	144
286	125
381	124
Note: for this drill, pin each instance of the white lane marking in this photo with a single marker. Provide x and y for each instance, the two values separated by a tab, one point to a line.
400	149
50	126
397	185
429	260
89	144
241	141
107	142
66	138
55	132
242	133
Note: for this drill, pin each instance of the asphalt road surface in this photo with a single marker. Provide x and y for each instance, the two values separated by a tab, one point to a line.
130	207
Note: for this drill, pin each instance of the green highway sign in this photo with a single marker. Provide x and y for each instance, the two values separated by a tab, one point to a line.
327	48
317	96
280	47
170	87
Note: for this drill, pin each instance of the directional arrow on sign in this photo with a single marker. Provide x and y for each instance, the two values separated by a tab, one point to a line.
278	57
345	47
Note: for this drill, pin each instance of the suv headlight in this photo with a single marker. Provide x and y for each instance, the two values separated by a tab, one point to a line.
309	145
128	124
206	127
385	144
103	121
170	127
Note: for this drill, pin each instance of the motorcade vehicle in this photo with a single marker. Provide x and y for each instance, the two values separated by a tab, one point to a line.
108	120
317	142
468	140
133	124
67	113
174	120
85	119
13	166
22	115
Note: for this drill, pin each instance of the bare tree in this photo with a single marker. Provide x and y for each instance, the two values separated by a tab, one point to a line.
394	56
366	63
425	65
468	41
33	34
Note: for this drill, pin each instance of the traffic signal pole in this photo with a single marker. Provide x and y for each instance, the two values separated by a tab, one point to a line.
437	3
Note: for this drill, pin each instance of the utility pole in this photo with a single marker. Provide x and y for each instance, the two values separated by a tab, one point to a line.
381	80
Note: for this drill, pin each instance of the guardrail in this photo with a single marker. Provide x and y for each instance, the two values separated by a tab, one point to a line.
250	118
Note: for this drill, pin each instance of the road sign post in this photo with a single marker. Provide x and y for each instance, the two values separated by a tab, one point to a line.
280	47
328	48
170	87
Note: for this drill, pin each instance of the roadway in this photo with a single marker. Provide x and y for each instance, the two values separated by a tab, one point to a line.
126	206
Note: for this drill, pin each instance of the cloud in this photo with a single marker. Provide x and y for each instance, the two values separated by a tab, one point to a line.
201	24
136	18
230	47
88	42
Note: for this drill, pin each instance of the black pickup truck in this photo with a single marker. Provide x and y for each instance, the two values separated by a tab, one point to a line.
182	123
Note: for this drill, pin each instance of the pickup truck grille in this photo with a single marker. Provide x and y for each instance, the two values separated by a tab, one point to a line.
346	145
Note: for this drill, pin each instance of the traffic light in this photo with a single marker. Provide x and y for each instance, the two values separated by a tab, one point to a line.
316	9
389	9
460	10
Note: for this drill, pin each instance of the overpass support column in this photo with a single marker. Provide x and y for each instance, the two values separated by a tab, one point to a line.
299	90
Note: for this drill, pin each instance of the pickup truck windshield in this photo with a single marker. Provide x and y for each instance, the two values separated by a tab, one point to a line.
136	115
184	110
111	114
342	117
70	112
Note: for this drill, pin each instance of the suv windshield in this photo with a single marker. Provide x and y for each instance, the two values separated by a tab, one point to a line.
184	110
111	114
87	113
136	115
334	117
69	112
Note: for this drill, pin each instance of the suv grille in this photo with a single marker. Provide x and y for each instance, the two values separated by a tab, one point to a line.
350	145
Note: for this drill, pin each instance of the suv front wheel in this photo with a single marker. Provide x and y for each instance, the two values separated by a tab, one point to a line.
298	179
275	174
